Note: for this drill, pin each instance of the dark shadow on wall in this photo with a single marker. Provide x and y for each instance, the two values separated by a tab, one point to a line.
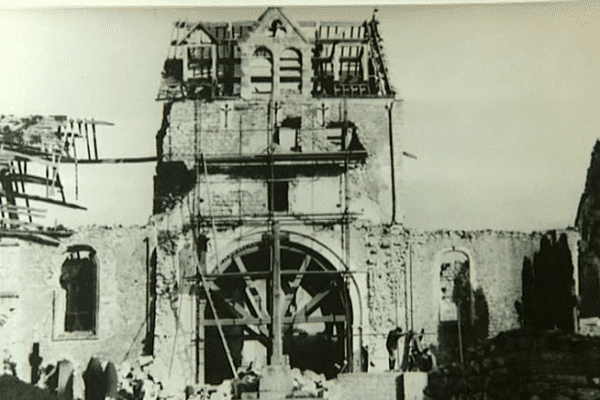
471	325
481	324
148	341
471	333
589	279
588	224
548	299
319	352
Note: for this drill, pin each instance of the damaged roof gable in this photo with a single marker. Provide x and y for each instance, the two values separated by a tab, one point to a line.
274	23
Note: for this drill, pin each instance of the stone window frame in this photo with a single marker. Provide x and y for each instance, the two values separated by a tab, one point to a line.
438	288
438	265
285	71
59	301
262	54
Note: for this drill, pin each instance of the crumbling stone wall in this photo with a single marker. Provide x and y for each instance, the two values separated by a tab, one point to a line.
396	278
404	279
34	281
236	127
522	364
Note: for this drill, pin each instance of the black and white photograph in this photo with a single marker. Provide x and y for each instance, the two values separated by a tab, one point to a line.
394	201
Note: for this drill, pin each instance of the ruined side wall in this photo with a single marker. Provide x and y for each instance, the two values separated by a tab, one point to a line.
121	254
404	278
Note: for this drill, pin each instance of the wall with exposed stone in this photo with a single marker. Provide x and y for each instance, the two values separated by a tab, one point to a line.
395	280
239	127
403	278
30	293
522	364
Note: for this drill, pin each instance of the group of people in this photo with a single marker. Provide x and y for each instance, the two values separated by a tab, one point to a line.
406	349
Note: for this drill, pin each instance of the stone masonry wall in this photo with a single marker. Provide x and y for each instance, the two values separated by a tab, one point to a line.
240	127
523	365
403	278
121	254
396	279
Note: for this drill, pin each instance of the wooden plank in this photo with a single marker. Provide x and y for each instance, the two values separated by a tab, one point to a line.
295	284
95	122
17	222
94	140
25	213
236	308
46	232
23	190
19	156
267	321
38	180
251	289
45	200
131	160
310	307
11	207
339	39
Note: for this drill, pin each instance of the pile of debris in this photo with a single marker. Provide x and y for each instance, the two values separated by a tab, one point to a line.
307	384
100	380
523	364
138	381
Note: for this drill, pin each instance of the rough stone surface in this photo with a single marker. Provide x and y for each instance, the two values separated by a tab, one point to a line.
397	279
34	280
556	366
381	386
247	133
587	222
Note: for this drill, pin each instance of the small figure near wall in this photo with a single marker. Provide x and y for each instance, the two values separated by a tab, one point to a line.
407	348
391	344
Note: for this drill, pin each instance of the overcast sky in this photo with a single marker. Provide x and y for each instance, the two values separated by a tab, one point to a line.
500	102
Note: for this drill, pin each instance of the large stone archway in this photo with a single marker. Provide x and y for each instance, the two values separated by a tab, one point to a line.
316	311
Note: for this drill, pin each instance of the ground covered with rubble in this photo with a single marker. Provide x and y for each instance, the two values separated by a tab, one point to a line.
522	364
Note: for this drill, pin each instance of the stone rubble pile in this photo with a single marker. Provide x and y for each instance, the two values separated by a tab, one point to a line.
309	384
138	381
522	364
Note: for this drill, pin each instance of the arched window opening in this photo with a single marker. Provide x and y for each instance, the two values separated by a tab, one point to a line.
79	279
290	71
261	66
455	305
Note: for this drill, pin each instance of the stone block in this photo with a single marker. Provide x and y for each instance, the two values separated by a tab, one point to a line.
276	382
414	385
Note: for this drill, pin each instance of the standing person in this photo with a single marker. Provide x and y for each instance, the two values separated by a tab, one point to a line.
391	345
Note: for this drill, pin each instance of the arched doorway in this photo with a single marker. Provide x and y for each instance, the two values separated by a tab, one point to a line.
455	305
316	311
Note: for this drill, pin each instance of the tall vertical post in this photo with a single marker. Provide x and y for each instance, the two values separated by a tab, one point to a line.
6	185
201	250
276	326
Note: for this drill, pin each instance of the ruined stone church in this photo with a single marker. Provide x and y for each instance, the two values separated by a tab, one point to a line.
277	232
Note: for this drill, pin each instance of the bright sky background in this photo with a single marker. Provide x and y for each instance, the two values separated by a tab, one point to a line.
500	102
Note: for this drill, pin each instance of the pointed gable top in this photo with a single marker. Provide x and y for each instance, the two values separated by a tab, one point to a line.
275	13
